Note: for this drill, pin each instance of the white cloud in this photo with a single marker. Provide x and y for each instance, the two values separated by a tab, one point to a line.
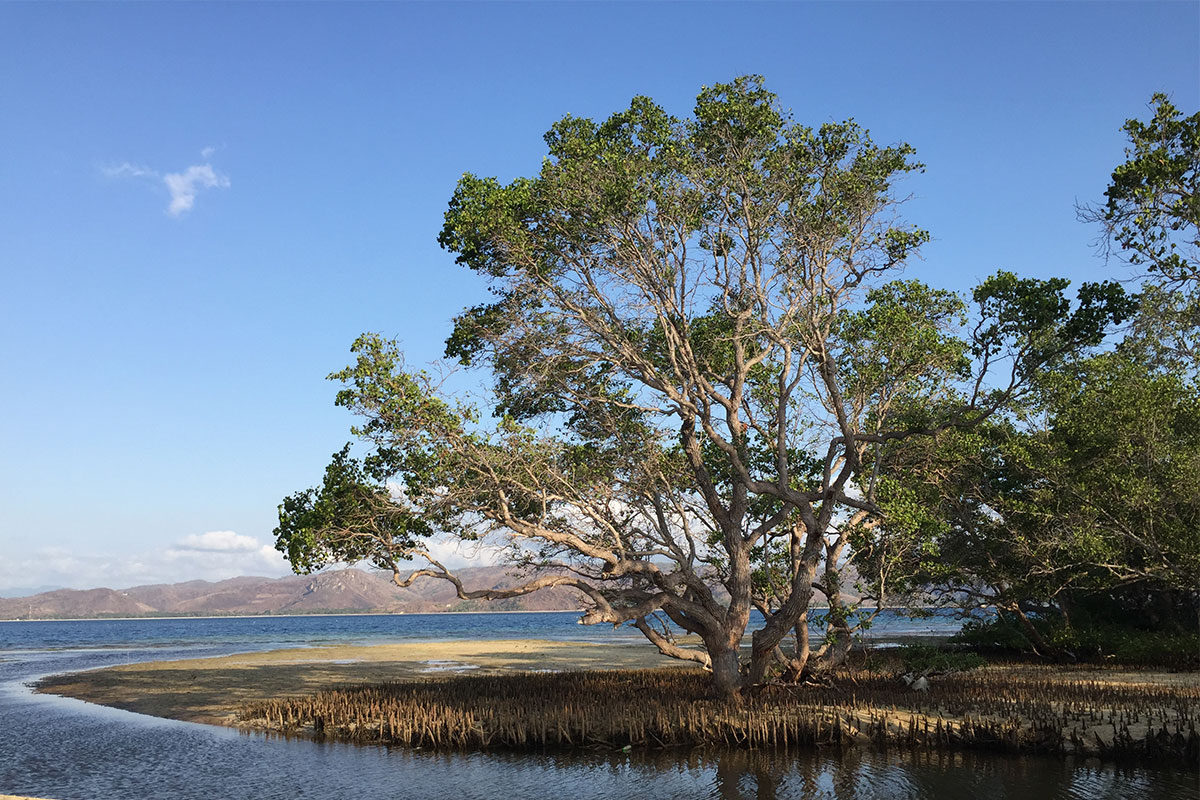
214	555
455	553
182	186
225	554
128	170
210	555
218	542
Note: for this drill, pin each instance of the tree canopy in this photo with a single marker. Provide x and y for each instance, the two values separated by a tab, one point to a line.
1092	490
703	355
1151	218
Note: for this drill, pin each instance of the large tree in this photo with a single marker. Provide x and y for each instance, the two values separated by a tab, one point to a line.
700	347
1094	490
1151	219
1095	493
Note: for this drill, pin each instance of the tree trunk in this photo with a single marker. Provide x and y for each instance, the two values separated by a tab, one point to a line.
727	671
1064	608
838	627
835	655
795	666
793	615
803	647
1040	646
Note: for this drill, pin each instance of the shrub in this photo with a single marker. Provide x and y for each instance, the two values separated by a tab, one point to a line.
924	658
1089	642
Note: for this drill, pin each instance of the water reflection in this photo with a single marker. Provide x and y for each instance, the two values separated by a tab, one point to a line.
865	774
69	750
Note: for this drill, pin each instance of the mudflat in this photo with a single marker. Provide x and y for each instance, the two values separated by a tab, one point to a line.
1076	709
211	690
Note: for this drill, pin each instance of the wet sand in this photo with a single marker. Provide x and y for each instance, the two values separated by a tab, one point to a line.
215	690
211	690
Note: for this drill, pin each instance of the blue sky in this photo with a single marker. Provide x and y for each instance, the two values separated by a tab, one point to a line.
203	205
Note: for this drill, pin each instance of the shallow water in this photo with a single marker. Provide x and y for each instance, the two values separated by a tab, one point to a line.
66	749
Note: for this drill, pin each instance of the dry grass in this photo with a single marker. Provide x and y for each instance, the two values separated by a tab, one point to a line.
399	694
1025	709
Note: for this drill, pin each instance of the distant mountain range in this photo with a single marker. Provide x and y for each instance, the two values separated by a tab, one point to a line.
26	591
341	591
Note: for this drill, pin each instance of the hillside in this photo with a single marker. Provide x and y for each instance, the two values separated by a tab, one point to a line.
349	590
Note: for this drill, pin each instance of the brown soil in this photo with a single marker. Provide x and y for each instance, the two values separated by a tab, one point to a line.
213	689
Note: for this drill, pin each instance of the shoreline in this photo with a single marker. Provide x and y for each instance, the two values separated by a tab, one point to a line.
287	616
211	689
1086	710
274	615
335	613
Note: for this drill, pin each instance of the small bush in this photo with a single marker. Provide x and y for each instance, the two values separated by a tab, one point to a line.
1000	634
1091	642
1124	645
928	659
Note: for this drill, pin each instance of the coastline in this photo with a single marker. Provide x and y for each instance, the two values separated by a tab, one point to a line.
211	690
338	613
288	616
1085	710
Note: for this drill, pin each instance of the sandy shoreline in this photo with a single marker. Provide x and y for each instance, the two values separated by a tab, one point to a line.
210	690
215	690
288	616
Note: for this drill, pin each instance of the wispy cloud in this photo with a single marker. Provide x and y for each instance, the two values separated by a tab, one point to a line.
128	170
211	555
182	186
218	542
214	555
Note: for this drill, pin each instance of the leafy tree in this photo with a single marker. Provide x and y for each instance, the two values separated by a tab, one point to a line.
1130	417
700	348
1100	498
1093	491
1125	454
1152	208
1151	217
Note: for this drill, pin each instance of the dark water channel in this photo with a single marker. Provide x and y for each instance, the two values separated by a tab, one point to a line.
69	750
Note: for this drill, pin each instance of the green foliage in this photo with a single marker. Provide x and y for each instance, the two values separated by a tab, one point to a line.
347	500
1152	217
1036	318
1165	334
1124	645
1124	453
1093	642
902	343
1000	633
1153	201
1103	492
705	374
929	659
739	157
1093	484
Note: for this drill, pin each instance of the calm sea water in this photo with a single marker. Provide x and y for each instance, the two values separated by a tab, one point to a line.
66	749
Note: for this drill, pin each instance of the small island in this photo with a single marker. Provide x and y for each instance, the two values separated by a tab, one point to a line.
546	695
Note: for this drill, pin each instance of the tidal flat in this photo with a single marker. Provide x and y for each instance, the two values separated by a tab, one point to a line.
213	690
535	694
